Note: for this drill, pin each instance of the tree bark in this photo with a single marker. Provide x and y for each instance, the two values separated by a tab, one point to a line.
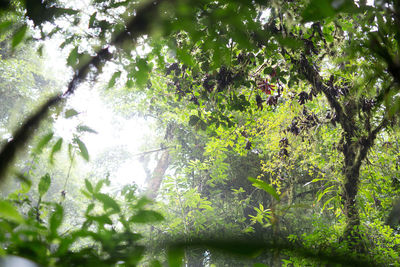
158	175
162	166
350	188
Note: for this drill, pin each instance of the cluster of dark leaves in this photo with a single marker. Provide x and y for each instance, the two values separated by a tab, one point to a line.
174	67
332	117
43	11
272	100
336	90
367	104
284	143
208	83
225	77
306	121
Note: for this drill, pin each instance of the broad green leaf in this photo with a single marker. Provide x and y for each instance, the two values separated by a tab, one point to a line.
84	128
141	75
268	70
89	186
175	256
260	265
87	194
82	148
264	186
44	184
321	9
4	26
108	202
143	202
185	57
290	42
55	149
26	182
19	35
73	57
146	216
101	219
98	186
9	212
89	208
43	142
56	219
113	79
70	113
92	20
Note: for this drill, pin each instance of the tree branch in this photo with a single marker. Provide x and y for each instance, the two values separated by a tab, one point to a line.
369	141
313	77
139	25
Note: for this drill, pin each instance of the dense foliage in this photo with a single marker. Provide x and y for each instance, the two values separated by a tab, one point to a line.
277	123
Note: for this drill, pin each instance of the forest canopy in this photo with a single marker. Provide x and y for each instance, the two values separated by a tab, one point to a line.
276	138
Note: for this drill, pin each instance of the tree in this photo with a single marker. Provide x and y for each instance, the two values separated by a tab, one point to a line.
233	64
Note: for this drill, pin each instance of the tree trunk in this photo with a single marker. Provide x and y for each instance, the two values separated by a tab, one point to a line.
162	166
158	175
350	189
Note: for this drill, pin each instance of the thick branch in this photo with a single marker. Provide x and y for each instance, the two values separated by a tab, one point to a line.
22	135
369	141
313	77
158	175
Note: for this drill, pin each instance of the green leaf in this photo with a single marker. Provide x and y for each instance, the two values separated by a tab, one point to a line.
326	190
70	113
43	142
264	186
89	208
92	20
143	201
320	9
185	57
98	186
26	182
44	184
108	202
175	256
84	128
141	75
101	219
56	219
268	70
19	35
82	148
89	186
4	26
146	216
290	42
259	265
55	149
113	79
9	212
73	57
